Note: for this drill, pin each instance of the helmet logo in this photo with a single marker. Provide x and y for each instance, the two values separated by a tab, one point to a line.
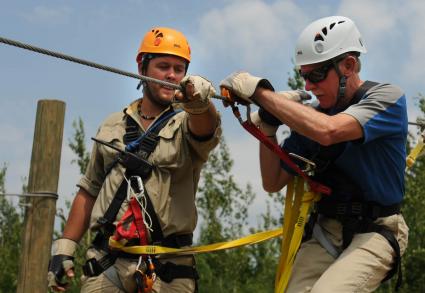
158	38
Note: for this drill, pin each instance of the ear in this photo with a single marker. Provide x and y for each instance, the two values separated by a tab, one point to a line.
348	66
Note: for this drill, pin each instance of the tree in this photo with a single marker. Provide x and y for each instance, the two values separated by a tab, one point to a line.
295	82
224	210
11	228
78	145
413	207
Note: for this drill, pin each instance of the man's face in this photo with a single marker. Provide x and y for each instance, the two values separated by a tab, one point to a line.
326	90
166	68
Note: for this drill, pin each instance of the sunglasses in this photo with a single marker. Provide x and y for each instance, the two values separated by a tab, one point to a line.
318	74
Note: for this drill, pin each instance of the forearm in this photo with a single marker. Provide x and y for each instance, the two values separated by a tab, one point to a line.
79	216
204	124
273	176
300	118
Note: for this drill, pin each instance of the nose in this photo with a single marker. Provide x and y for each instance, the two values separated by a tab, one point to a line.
309	86
171	74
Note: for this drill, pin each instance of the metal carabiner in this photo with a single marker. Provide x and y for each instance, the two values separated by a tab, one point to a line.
310	165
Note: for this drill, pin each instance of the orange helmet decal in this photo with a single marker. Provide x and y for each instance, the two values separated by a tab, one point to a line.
163	40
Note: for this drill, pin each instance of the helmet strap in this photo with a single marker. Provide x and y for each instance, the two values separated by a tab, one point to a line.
342	84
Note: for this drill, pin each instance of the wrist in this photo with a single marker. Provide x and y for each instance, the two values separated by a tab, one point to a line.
197	107
65	246
267	129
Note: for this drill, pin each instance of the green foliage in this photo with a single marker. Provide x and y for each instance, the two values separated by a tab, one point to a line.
78	145
224	209
413	261
295	82
11	227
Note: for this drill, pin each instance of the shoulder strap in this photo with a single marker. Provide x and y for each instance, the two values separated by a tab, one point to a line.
147	143
361	91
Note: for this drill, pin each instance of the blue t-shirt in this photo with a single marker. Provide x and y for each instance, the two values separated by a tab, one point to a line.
377	162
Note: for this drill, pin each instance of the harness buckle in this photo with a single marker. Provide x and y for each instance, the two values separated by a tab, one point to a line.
341	209
357	209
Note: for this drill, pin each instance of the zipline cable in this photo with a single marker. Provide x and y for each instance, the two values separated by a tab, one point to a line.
94	65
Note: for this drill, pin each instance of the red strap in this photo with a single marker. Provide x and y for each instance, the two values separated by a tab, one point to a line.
251	128
125	227
138	221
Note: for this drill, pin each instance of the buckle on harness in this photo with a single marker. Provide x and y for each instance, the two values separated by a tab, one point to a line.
92	268
356	208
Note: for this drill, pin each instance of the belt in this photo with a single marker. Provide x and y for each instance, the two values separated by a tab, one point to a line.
349	209
169	271
94	267
101	241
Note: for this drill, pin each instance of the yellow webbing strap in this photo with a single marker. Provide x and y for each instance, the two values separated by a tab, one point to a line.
297	206
152	249
417	151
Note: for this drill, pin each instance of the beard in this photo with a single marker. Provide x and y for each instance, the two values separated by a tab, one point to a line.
154	97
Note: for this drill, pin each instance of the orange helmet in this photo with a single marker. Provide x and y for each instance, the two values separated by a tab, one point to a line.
163	40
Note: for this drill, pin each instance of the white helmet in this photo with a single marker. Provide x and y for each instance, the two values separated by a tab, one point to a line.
327	38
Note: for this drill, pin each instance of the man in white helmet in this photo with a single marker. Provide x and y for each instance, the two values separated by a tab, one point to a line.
356	136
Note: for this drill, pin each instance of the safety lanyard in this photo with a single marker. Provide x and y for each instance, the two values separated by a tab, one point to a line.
251	128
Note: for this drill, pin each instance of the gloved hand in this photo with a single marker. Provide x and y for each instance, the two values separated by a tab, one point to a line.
243	85
196	95
297	96
61	264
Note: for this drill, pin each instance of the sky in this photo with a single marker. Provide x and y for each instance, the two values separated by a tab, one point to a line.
224	35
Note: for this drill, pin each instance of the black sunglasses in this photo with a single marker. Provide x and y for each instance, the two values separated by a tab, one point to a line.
318	74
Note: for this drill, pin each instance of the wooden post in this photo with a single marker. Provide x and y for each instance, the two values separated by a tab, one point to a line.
40	214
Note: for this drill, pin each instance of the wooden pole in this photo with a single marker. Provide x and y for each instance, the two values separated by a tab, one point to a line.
40	214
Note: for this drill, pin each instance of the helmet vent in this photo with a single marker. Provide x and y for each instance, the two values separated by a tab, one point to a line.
342	21
332	25
325	31
319	37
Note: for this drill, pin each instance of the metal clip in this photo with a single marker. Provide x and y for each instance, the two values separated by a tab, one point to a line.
310	165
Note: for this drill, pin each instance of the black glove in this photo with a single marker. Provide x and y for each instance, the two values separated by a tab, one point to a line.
56	267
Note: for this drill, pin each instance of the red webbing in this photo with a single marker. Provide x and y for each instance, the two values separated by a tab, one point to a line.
251	128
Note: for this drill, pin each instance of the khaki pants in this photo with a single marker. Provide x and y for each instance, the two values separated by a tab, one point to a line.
360	268
126	268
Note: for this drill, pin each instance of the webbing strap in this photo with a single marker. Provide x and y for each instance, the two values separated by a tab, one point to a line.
113	209
417	151
297	206
138	221
153	249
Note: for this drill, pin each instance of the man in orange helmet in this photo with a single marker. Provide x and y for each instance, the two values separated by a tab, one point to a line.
147	198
